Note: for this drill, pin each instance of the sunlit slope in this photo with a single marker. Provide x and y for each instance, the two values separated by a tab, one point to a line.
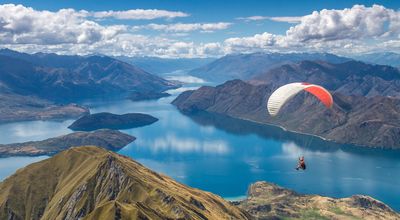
97	184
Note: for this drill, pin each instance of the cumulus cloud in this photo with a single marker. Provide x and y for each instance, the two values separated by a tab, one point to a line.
187	27
357	22
24	25
349	30
68	31
139	14
264	41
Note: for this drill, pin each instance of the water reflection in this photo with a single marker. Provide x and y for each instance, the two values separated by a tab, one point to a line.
333	169
32	130
305	143
173	143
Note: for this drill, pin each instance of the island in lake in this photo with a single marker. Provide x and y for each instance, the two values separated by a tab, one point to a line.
112	121
105	138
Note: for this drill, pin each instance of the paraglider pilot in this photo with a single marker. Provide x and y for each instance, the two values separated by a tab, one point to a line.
301	164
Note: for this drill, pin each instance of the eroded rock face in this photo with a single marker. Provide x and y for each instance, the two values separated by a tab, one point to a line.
92	183
365	121
269	201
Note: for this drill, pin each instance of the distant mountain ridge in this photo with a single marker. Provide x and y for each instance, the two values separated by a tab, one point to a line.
351	77
63	78
247	66
38	86
160	66
384	58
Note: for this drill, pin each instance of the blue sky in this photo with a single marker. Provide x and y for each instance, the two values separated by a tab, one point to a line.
199	28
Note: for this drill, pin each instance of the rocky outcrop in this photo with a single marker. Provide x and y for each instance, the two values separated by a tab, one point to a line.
364	121
112	121
269	201
92	183
107	139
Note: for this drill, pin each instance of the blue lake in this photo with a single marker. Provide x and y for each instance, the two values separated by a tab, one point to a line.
225	155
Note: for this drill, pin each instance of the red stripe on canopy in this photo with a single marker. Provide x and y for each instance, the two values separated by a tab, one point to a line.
323	95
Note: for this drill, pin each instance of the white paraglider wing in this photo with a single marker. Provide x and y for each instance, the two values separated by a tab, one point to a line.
280	96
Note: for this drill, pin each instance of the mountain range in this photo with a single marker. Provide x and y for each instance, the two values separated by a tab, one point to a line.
350	77
92	183
161	66
65	78
41	86
365	121
247	66
384	58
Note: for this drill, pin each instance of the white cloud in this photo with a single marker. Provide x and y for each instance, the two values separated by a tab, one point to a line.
188	27
24	25
351	30
253	18
257	42
139	14
288	19
358	22
68	31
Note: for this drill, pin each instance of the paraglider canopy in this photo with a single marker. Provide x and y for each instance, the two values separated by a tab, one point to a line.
280	96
